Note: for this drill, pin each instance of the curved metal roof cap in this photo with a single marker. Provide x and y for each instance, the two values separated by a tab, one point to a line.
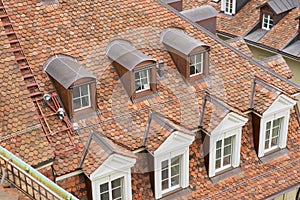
66	70
180	40
200	13
124	53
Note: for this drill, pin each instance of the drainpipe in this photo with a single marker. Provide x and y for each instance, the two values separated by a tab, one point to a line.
37	175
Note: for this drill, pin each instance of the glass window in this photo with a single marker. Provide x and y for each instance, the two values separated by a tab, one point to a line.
267	22
224	153
111	190
228	7
196	64
170	173
273	129
81	97
142	80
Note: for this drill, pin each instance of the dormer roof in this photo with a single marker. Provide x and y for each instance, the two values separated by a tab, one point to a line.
200	13
280	6
180	40
124	53
66	70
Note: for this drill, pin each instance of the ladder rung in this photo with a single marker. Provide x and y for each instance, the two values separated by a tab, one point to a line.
20	58
35	94
24	67
15	50
28	76
13	41
3	16
7	24
10	33
32	85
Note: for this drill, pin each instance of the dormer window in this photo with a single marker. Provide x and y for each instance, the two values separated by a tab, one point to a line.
273	131
229	7
142	80
267	23
74	84
189	55
196	64
81	97
136	70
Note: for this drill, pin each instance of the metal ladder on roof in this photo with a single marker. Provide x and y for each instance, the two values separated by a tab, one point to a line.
18	52
31	83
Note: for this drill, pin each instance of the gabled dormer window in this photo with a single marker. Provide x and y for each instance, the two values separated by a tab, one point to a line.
273	126
75	85
228	7
136	70
190	56
267	22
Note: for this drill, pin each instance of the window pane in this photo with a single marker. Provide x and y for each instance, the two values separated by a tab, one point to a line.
227	150
268	125
175	160
104	196
218	164
275	131
84	90
192	60
76	93
77	104
116	193
104	187
143	74
218	153
227	141
274	141
164	164
227	160
175	170
219	144
85	101
198	58
164	174
268	135
267	144
192	70
165	184
175	181
276	122
137	75
116	183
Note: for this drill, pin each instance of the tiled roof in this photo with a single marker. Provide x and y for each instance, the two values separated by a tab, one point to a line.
247	18
84	30
240	44
278	64
283	32
20	130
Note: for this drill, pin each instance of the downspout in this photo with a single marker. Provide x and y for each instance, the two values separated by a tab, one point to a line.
37	175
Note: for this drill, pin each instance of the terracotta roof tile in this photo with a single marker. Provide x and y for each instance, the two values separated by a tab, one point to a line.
240	44
278	64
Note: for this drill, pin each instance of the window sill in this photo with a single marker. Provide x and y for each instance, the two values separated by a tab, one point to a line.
176	194
226	173
274	154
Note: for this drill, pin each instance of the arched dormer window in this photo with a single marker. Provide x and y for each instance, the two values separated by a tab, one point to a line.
75	85
189	55
136	70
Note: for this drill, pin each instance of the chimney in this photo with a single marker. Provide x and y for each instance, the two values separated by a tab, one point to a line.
205	16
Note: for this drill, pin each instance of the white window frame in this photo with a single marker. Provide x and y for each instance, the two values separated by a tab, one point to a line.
109	181
140	80
195	63
279	109
270	147
223	167
82	96
176	145
116	166
230	126
268	25
224	4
